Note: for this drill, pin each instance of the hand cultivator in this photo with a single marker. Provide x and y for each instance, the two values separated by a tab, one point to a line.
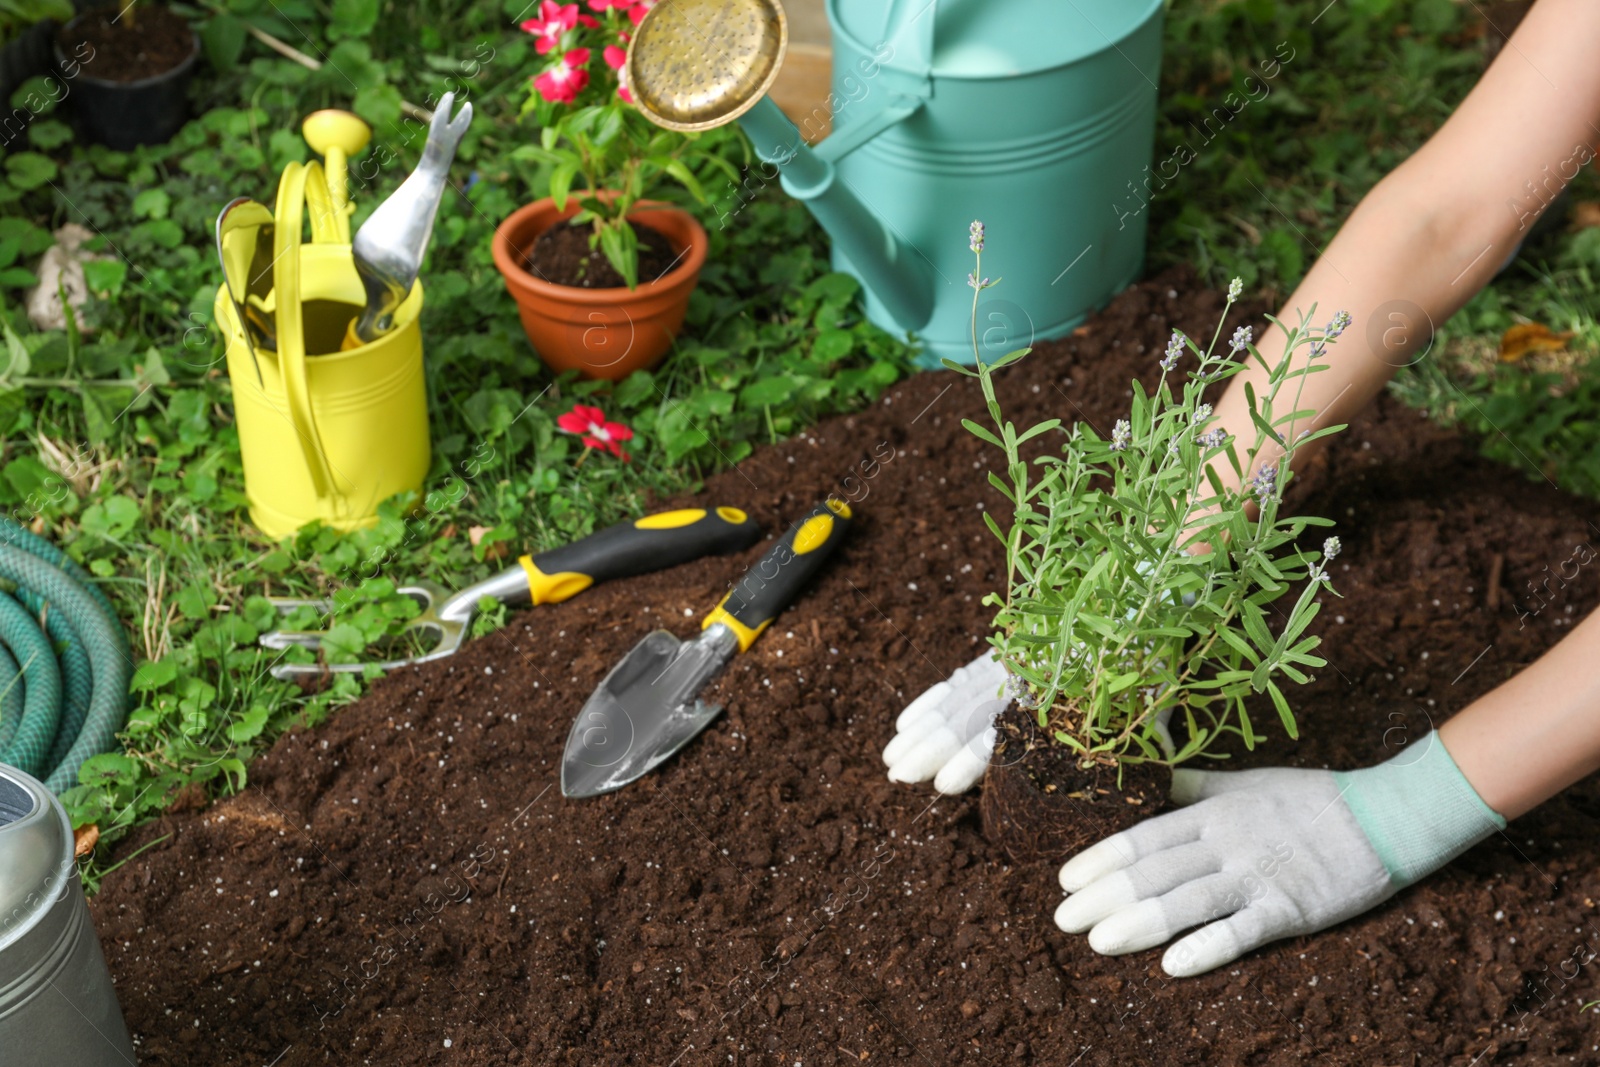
652	543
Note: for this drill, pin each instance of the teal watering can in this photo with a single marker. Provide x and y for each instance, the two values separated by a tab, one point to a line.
1035	116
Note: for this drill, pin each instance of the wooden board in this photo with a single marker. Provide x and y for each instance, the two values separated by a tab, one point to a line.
802	88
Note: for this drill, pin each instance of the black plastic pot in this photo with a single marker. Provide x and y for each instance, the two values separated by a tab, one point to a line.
24	56
124	115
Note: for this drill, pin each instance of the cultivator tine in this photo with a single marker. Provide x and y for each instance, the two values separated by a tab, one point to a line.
451	632
285	605
282	639
288	671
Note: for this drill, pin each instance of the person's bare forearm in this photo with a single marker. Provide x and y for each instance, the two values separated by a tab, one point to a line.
1433	232
1382	268
1539	732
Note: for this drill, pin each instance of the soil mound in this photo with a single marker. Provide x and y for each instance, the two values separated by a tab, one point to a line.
406	885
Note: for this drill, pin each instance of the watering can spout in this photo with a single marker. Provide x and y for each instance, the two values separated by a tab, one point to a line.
898	275
697	64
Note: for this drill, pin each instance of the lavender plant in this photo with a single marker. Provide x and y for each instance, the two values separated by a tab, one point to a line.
1138	584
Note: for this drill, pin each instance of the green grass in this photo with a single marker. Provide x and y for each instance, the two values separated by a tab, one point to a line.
120	444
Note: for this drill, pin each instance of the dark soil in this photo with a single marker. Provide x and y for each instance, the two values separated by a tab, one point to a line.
562	256
140	44
406	885
1037	803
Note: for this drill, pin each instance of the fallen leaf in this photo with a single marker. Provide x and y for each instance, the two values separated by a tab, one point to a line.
1586	214
496	549
84	839
1530	337
191	797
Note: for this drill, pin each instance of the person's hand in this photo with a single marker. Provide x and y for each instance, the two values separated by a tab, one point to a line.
1262	855
947	733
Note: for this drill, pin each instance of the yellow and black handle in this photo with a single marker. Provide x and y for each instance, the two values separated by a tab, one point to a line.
769	586
652	543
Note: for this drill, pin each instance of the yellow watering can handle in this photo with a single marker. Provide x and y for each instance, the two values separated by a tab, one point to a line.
326	218
337	135
299	182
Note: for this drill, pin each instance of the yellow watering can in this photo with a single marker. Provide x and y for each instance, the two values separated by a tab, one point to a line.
324	434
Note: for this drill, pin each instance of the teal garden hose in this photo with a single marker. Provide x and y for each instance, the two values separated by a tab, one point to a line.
64	662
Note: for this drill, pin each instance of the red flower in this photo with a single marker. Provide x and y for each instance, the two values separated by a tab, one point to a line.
562	83
638	11
591	425
615	56
555	22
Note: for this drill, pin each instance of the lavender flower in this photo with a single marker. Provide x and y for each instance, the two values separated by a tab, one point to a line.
1337	325
1318	572
1121	433
975	236
1241	339
978	284
1174	350
1235	288
1318	349
1212	438
1018	690
1201	414
1265	483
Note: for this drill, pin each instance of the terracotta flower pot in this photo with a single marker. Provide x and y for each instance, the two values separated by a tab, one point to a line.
600	333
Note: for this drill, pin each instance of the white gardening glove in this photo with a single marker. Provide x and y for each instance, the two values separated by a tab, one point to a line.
947	733
1270	854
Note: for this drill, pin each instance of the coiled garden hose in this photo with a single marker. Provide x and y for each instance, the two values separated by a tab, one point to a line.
64	662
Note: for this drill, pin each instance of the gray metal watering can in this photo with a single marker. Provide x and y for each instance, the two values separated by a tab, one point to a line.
1035	116
57	1006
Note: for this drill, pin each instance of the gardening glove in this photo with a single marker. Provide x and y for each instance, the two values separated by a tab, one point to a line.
1270	854
947	733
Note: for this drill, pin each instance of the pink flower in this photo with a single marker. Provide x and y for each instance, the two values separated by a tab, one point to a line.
591	425
603	5
555	22
638	11
615	56
562	83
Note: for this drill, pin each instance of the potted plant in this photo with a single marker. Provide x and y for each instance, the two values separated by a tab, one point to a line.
602	273
1136	622
129	68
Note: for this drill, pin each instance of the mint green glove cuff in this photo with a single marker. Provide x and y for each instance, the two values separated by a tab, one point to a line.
1418	809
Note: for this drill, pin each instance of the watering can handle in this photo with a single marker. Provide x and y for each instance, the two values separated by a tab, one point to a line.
908	27
300	183
326	216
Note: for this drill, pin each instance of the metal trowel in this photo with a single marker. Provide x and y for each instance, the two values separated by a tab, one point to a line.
648	707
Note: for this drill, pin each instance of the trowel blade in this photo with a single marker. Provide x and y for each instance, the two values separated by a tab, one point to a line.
643	712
